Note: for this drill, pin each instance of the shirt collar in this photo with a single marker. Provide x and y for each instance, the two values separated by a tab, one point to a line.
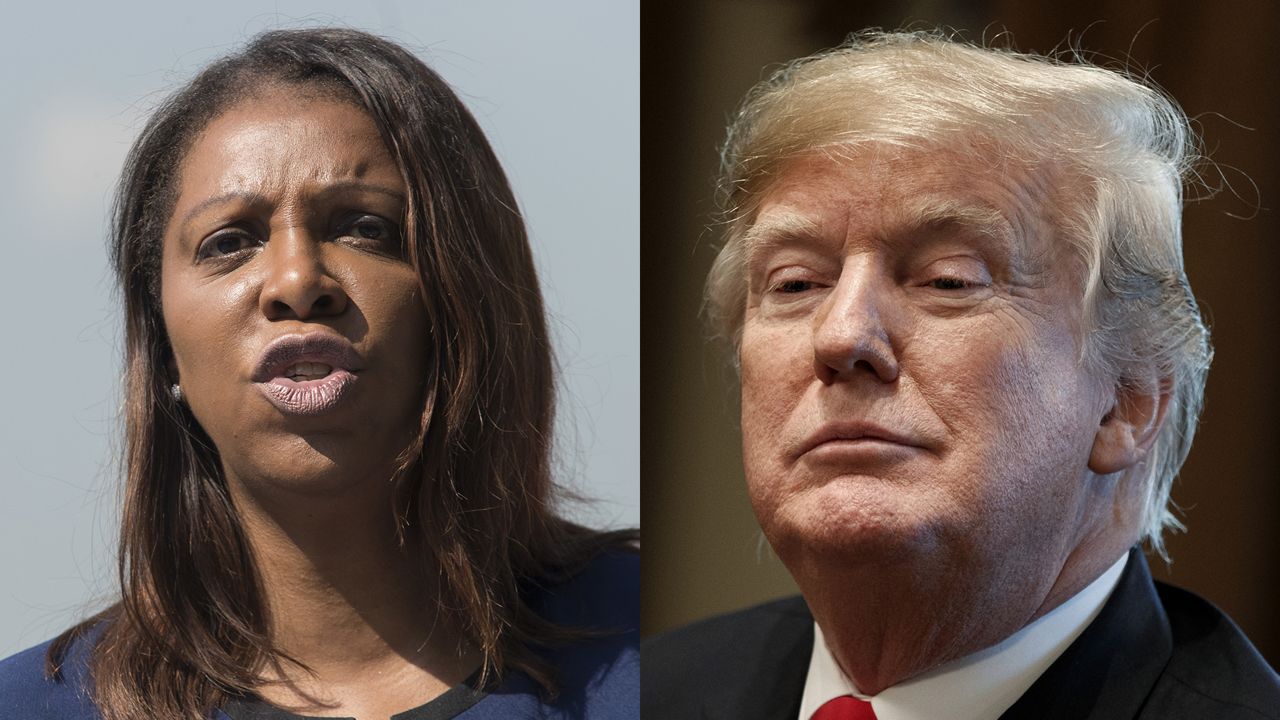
979	686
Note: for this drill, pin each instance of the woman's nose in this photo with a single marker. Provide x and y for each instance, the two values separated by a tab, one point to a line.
850	335
298	285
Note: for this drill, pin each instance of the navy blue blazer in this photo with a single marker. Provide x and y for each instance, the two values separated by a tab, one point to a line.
1155	652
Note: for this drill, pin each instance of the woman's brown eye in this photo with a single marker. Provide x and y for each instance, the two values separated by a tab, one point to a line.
370	230
376	229
224	244
228	245
371	227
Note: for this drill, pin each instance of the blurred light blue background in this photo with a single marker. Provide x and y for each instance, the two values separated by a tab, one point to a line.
556	87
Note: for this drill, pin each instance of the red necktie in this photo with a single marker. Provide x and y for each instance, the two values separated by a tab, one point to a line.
845	707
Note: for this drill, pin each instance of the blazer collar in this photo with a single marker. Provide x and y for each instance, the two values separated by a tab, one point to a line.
1109	671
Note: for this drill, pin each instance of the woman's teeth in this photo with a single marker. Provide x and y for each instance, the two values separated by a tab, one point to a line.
307	371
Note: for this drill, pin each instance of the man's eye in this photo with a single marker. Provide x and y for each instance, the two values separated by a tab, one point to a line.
792	286
950	283
224	244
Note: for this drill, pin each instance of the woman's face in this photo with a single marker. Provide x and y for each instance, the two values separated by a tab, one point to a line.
297	329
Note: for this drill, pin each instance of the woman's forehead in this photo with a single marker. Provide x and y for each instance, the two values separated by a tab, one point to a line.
282	139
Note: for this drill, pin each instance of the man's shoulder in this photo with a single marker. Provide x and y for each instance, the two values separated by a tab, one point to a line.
1154	652
1214	671
730	633
764	648
28	693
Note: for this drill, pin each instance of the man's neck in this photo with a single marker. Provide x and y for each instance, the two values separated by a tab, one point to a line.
979	686
885	625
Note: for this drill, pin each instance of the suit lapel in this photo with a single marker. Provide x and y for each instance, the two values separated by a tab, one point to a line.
1109	671
770	686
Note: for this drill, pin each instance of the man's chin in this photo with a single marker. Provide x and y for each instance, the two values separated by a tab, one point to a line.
853	533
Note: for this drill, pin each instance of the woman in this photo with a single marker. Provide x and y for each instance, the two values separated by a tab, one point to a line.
338	404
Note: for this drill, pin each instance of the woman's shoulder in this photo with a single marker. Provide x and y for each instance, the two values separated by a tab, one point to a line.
28	693
598	675
604	595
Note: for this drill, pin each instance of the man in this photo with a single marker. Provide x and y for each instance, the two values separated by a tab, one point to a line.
971	366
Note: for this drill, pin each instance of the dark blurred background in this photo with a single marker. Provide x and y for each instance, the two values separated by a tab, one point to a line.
703	551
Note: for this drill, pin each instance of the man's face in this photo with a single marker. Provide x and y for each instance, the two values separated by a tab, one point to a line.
911	383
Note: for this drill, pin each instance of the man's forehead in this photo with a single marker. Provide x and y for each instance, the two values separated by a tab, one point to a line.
889	195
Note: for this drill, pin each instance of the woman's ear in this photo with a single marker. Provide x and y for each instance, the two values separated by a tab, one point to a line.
1126	432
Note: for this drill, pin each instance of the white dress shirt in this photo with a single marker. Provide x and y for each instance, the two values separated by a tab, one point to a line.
980	686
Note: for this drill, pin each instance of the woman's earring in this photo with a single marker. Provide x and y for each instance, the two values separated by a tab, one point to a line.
176	391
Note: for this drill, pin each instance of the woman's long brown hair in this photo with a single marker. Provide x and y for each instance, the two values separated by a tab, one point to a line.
475	488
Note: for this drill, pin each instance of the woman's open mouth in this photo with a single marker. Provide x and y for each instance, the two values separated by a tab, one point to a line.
307	374
312	391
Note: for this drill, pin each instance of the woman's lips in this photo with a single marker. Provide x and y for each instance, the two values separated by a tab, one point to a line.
308	397
307	374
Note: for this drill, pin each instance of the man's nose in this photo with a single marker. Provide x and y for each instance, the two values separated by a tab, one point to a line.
851	335
298	285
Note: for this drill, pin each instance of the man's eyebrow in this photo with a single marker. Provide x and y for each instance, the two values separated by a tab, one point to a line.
777	229
252	198
979	219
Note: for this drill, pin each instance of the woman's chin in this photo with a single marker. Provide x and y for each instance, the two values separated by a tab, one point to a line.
303	467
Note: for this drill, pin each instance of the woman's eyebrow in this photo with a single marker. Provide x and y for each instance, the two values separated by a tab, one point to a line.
344	186
254	198
244	196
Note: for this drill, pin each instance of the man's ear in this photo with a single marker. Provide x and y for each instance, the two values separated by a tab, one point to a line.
1126	432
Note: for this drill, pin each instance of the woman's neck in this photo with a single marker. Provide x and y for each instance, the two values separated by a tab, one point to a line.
351	602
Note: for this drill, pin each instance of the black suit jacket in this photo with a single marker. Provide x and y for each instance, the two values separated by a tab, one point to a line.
1153	652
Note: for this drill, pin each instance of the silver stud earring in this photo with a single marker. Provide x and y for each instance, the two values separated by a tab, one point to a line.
176	391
